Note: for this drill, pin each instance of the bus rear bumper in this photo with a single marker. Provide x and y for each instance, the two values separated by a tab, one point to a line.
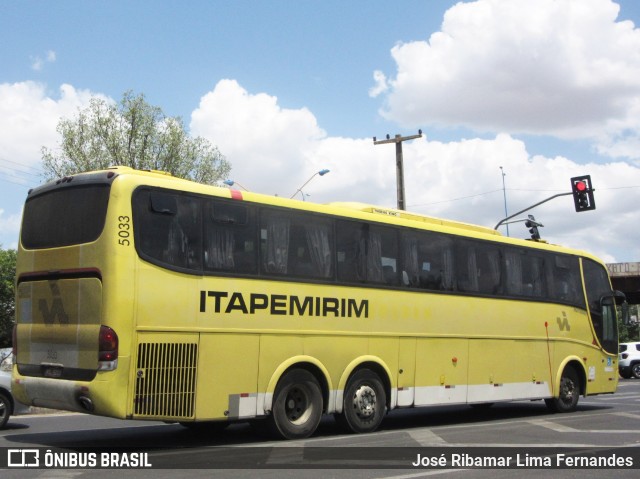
53	394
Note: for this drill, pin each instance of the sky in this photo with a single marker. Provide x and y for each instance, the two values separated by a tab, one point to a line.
513	98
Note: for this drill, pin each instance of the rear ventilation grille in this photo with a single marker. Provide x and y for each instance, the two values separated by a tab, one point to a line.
166	380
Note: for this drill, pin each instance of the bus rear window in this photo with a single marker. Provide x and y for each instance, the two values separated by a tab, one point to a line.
65	216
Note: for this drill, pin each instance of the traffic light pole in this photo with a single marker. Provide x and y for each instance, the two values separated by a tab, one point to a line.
531	207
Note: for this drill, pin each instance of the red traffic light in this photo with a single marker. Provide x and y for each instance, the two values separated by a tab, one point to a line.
582	190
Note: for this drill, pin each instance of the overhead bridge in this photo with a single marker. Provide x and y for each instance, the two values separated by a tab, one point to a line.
625	277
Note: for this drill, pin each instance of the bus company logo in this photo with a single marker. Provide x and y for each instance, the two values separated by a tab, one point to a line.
23	458
563	323
49	314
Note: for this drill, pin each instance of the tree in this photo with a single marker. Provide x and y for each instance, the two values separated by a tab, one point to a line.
629	332
7	295
132	133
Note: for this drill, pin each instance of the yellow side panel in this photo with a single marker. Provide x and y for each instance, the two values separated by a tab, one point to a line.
406	371
441	370
228	370
507	369
333	353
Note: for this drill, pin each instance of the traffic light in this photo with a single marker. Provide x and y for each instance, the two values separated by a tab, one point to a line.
583	193
532	224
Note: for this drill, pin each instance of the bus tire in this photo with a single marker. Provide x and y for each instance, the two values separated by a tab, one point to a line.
5	409
297	405
569	393
364	403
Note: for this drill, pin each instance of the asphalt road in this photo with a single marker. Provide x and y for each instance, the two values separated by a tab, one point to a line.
602	425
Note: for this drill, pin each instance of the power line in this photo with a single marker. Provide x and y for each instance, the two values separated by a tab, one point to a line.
457	199
26	169
512	189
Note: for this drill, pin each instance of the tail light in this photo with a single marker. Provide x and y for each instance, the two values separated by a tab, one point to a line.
107	349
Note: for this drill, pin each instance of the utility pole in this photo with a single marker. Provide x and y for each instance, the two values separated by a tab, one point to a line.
398	139
504	193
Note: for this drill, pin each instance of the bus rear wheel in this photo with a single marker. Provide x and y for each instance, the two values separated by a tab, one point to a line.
364	403
569	393
297	405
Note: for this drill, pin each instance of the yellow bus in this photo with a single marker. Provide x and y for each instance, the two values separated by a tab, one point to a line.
144	296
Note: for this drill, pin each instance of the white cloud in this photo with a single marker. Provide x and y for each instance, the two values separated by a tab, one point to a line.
274	150
555	67
37	62
29	116
381	84
10	227
267	145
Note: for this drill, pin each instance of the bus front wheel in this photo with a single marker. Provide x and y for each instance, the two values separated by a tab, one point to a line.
364	403
569	393
297	405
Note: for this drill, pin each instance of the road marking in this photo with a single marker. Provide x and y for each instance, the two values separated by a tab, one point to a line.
426	437
552	425
617	396
424	474
627	414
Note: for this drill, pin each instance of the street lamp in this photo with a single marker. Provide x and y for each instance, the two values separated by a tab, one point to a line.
231	183
321	173
504	193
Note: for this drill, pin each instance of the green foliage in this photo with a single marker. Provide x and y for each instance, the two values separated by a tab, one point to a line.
132	133
630	332
7	295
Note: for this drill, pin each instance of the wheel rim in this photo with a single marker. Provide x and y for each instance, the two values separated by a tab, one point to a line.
364	401
567	391
297	405
636	370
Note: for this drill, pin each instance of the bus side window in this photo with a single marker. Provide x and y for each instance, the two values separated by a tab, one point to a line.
533	277
388	255
410	264
563	278
170	228
489	270
466	263
274	238
435	255
311	251
513	269
347	240
184	245
156	213
367	253
229	238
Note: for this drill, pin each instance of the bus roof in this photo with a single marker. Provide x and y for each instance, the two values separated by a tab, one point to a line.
348	208
377	210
